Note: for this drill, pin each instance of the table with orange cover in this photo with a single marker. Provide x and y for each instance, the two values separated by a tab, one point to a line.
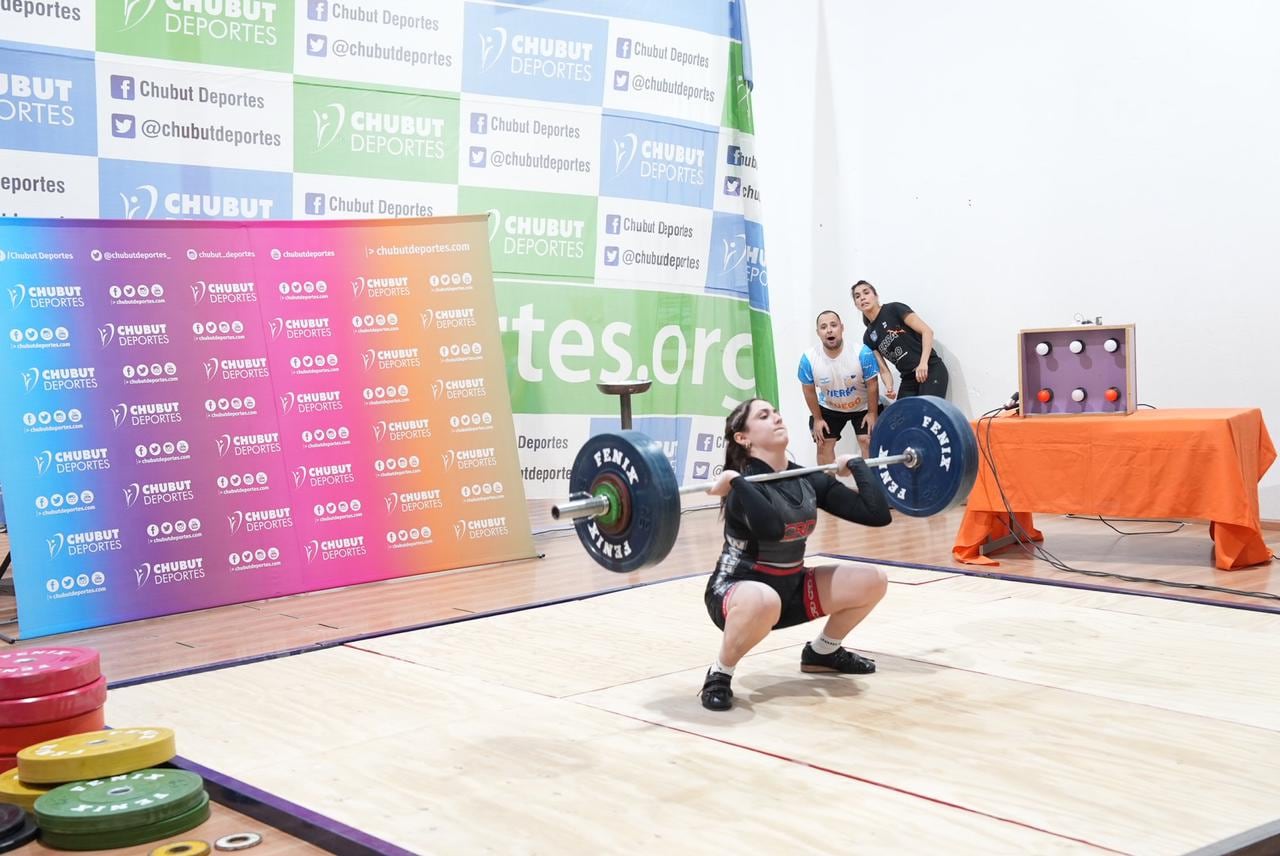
1185	464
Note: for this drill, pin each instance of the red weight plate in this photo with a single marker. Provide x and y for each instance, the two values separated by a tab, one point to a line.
31	672
48	708
18	737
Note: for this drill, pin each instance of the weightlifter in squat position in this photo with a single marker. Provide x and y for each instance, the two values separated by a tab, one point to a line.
760	582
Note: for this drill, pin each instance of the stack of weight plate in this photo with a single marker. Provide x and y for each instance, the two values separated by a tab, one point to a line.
47	693
122	811
110	794
16	828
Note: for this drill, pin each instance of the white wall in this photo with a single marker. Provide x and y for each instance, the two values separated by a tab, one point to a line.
783	98
796	139
1001	164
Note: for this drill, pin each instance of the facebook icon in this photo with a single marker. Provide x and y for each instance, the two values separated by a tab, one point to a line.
479	123
318	10
122	87
624	48
314	203
705	442
613	224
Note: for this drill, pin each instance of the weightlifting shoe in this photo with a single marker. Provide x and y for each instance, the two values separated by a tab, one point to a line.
716	693
841	660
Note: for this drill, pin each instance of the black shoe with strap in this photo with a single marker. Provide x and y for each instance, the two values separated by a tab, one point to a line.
716	694
841	660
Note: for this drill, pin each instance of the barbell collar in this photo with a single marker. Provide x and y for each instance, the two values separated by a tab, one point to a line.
581	506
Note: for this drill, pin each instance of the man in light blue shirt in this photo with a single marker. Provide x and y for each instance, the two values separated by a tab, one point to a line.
840	386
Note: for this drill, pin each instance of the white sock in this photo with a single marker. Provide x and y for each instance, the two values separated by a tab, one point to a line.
824	644
717	666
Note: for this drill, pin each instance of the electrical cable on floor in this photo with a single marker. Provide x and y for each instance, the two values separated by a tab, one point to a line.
1177	524
1037	551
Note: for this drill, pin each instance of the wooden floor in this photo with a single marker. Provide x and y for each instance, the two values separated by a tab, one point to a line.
180	642
1005	718
175	644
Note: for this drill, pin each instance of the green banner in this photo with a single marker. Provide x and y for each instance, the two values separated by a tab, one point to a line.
242	33
339	130
700	352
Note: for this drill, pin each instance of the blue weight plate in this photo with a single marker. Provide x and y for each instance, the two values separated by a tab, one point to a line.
650	490
947	448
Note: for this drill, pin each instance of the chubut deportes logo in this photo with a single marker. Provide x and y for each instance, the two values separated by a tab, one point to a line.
492	46
135	12
624	152
735	251
140	204
329	123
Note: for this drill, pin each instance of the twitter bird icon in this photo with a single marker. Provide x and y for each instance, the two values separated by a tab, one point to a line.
122	125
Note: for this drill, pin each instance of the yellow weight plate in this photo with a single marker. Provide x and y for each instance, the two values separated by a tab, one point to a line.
95	755
182	848
16	792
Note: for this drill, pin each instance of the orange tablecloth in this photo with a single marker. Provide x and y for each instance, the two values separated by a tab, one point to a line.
1202	464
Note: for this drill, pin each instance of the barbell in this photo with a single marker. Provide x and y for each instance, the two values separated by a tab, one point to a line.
625	503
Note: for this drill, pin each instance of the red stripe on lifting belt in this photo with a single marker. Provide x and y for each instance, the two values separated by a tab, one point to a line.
812	603
776	571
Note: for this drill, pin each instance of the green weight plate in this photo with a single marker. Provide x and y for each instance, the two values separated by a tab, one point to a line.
118	803
129	837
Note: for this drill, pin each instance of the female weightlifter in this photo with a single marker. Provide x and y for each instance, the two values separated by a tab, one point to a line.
760	582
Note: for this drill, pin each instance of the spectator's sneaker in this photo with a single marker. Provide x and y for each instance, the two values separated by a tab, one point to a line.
841	660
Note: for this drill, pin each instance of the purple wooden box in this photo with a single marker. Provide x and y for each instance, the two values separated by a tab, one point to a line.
1094	370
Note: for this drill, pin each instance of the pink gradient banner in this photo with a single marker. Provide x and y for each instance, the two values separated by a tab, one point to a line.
213	413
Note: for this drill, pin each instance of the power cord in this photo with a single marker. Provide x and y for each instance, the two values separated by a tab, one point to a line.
1037	551
1177	524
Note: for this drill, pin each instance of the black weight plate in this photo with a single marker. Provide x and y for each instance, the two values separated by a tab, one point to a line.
11	817
644	473
24	833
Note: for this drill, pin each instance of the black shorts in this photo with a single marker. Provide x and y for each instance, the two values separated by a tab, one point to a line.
935	385
837	419
798	592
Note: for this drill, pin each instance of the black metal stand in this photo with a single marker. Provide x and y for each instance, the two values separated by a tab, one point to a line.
624	390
